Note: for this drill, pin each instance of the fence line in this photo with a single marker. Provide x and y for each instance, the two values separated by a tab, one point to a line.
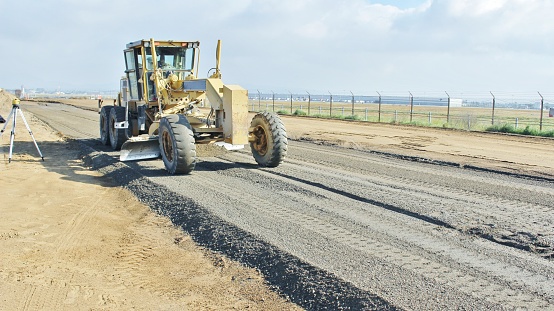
471	111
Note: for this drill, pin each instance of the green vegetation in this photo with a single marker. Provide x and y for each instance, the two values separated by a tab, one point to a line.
299	112
350	117
508	128
322	116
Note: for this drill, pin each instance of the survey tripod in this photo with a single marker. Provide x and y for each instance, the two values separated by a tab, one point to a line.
13	113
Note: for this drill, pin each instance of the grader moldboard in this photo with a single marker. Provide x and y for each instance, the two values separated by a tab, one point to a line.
159	111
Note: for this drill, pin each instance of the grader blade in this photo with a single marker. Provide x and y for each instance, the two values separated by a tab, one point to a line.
140	149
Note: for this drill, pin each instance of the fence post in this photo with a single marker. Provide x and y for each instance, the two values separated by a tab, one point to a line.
309	101
352	104
342	112
259	105
320	110
411	106
429	117
330	104
365	114
542	111
517	122
493	104
379	118
448	109
290	102
273	97
395	116
468	122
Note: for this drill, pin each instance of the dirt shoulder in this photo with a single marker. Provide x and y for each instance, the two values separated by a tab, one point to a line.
72	241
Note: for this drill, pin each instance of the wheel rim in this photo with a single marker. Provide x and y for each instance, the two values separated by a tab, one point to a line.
167	145
260	143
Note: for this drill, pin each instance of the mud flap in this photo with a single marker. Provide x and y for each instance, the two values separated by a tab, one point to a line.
140	149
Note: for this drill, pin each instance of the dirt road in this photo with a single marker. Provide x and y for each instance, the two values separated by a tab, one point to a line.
412	226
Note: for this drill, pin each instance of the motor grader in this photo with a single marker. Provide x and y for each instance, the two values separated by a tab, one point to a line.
164	109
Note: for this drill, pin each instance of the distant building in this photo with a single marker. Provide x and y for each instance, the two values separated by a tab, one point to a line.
551	113
456	102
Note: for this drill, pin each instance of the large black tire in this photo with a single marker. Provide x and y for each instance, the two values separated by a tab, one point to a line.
104	124
177	144
270	144
118	136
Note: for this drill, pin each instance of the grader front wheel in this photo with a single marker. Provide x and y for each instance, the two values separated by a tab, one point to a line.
177	144
268	139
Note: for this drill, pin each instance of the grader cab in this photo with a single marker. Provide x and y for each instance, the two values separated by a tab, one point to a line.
164	109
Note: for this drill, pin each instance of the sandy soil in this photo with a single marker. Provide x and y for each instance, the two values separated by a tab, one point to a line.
508	153
72	241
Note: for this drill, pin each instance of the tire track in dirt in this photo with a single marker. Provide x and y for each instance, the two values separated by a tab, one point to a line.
510	222
38	297
131	256
81	224
54	295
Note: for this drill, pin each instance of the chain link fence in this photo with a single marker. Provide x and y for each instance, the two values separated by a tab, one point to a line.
470	111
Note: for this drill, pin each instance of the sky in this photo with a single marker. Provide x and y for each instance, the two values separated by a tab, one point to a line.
317	46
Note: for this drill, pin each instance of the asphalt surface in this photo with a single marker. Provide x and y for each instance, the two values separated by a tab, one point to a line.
335	228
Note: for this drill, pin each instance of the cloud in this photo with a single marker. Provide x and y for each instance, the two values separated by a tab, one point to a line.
288	44
475	7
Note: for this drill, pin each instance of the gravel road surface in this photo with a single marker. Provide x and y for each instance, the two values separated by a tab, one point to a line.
336	228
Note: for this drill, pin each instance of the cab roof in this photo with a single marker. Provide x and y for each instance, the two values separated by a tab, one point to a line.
146	43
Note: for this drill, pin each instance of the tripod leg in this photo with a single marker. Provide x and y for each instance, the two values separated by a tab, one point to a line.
30	133
7	121
12	135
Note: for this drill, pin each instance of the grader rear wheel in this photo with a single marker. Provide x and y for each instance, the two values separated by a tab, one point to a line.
104	124
269	139
177	144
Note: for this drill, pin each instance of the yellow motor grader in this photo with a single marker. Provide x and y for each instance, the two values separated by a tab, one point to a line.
164	109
